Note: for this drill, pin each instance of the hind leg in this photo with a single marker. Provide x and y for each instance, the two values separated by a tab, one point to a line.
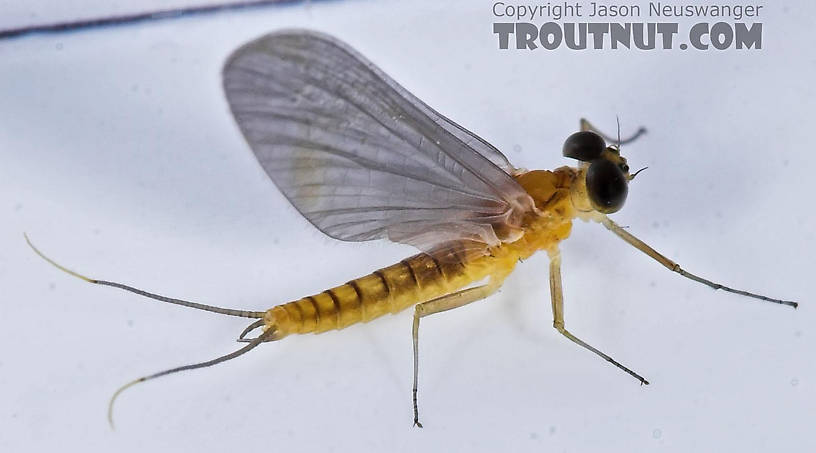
438	305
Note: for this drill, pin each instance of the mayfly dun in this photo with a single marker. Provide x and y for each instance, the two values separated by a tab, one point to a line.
362	158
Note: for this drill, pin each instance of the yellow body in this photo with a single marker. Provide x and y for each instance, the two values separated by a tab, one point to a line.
427	276
443	278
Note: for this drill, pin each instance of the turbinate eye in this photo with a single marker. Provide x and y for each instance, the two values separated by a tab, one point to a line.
585	146
606	185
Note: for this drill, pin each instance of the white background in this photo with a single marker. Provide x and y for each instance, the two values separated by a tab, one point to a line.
119	157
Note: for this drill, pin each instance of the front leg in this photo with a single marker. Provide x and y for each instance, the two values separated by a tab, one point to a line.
587	126
672	266
558	315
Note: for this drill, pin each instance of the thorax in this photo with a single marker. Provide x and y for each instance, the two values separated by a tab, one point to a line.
552	222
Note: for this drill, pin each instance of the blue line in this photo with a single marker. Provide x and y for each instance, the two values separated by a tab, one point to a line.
84	24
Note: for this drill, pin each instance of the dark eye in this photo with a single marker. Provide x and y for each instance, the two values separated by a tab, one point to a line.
606	185
584	145
624	168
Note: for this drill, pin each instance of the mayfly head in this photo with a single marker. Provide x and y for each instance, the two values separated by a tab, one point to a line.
605	171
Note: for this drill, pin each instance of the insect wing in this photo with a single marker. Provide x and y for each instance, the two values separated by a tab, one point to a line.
358	155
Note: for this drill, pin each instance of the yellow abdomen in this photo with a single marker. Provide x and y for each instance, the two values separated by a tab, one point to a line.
426	276
389	290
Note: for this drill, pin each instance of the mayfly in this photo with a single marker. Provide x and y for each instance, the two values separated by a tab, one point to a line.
362	158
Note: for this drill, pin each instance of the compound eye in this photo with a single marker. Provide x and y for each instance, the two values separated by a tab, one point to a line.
606	185
585	145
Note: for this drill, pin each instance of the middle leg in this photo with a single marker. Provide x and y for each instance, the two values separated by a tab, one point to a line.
558	316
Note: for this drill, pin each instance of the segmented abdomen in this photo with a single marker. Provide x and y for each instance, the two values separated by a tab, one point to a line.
389	290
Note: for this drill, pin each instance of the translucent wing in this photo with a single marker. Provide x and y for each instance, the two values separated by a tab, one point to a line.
358	155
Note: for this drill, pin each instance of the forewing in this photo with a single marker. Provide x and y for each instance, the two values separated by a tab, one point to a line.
358	155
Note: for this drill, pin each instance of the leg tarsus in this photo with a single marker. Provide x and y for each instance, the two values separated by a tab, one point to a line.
415	336
606	357
587	126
